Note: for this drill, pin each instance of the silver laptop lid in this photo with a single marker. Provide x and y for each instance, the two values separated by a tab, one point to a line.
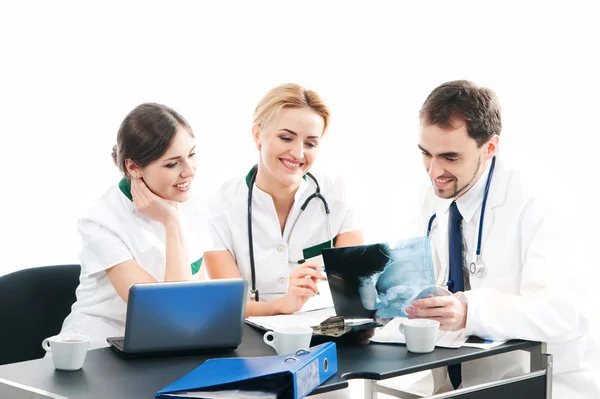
185	315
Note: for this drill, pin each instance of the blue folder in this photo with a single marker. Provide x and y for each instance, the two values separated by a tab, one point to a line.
291	376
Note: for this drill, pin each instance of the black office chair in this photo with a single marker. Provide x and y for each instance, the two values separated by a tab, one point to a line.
33	305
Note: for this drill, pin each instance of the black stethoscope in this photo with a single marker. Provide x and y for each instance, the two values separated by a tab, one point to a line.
476	267
316	194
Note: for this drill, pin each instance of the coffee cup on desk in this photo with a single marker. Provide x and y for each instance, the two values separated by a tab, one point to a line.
286	340
68	350
420	334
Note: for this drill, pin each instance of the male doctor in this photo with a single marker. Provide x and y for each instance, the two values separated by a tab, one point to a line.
521	287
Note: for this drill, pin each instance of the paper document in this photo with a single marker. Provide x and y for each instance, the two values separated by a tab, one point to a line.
321	301
390	334
357	322
476	342
308	319
225	394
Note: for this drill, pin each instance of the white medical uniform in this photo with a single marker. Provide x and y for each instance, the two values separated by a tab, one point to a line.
276	255
528	289
113	231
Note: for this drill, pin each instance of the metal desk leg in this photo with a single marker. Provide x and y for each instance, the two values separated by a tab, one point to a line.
541	381
372	388
369	391
548	362
537	360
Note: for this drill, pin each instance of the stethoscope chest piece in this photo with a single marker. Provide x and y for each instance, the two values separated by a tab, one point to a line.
476	267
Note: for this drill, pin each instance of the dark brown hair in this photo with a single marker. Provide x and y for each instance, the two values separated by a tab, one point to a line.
477	106
145	135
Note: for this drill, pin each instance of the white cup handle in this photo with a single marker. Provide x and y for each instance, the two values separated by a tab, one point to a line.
272	342
402	328
46	345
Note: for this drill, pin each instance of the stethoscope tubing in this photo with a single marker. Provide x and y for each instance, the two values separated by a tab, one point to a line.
316	194
481	217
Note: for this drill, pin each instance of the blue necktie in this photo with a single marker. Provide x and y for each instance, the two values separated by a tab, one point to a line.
455	246
456	274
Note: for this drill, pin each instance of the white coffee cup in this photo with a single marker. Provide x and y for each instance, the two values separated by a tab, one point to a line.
420	334
68	350
289	339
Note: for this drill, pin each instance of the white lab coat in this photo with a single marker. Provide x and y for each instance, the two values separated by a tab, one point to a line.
276	254
528	290
112	232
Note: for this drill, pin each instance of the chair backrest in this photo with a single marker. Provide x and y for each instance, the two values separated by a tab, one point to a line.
33	305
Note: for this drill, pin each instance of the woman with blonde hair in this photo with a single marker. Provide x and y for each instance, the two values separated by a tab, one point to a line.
271	225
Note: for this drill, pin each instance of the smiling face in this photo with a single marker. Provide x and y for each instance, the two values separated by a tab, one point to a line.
288	147
171	176
452	159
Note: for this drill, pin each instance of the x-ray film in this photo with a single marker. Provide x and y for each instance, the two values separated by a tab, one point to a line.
380	280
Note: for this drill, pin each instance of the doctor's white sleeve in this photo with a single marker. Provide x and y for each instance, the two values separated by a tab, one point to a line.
102	248
348	221
220	235
550	307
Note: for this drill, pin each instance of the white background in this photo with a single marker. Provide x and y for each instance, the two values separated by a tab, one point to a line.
70	71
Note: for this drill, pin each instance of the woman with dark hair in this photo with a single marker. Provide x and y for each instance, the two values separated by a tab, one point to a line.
138	230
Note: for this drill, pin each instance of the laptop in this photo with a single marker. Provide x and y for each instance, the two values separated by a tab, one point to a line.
183	318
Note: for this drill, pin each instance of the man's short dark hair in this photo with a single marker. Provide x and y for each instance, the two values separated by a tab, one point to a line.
461	99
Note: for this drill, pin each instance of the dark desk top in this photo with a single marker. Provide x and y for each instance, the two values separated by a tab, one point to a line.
106	375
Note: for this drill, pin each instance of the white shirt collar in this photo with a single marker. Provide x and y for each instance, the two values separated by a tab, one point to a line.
297	196
469	202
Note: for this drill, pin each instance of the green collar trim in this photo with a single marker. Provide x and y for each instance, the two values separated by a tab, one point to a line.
249	175
125	186
196	266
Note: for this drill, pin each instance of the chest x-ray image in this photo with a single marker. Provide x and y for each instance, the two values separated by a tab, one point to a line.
379	280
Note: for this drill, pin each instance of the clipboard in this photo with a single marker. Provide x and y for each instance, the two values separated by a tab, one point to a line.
336	326
291	376
324	322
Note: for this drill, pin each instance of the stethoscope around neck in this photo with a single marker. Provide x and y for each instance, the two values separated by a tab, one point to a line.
476	268
316	194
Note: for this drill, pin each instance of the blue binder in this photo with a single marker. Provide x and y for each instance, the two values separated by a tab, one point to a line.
292	376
